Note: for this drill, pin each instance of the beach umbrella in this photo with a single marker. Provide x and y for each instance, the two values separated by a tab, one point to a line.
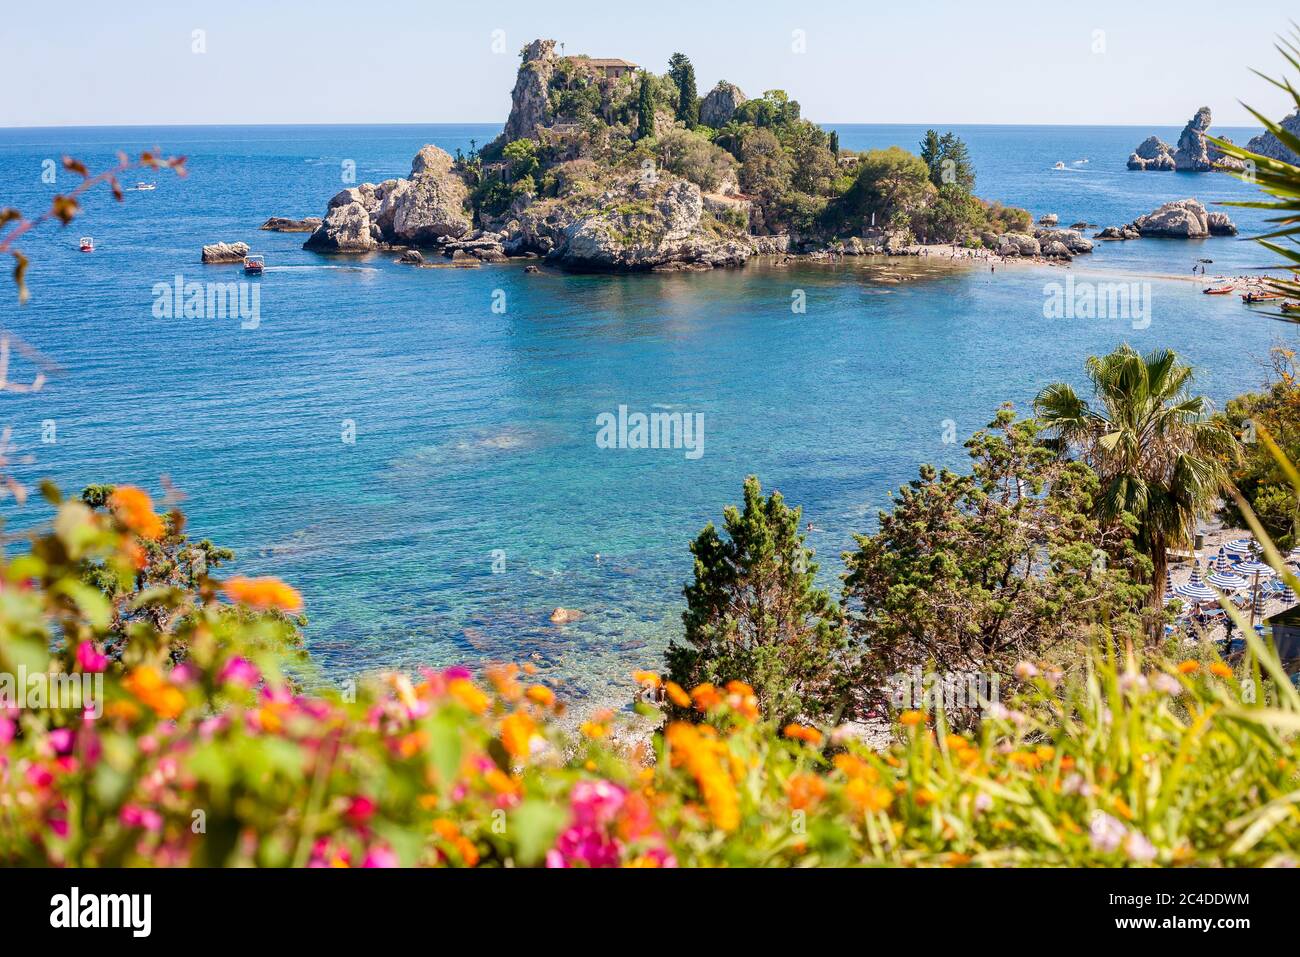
1195	589
1253	567
1222	563
1170	594
1226	581
1287	596
1240	546
1294	554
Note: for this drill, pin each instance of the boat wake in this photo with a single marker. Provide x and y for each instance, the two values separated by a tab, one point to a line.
313	268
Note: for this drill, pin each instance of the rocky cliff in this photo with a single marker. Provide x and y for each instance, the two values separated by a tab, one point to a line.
530	105
717	109
1193	154
1267	144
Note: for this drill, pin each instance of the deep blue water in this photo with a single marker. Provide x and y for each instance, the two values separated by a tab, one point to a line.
475	430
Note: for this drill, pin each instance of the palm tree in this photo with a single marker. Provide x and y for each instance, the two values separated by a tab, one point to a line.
1159	455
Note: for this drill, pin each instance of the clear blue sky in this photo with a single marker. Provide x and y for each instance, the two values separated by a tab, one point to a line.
408	61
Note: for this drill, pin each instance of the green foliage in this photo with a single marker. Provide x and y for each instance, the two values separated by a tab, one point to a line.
889	182
753	613
773	109
974	573
1160	455
645	108
522	157
691	156
682	73
948	160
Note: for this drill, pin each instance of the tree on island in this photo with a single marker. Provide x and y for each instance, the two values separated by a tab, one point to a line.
645	115
682	73
1160	456
754	614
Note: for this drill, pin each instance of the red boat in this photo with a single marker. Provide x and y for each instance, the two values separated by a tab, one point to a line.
87	244
254	265
1217	290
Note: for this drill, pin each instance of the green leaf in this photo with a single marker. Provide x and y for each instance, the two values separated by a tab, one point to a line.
535	825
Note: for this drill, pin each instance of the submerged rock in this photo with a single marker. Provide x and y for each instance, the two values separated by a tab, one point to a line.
282	224
562	616
225	252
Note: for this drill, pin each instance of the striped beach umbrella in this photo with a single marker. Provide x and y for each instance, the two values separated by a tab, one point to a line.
1226	580
1222	563
1253	567
1170	594
1240	546
1195	589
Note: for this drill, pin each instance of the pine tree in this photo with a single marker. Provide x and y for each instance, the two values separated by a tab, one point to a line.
753	613
682	73
834	144
645	109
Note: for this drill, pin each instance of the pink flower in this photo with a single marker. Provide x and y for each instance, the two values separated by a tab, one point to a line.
132	815
61	740
89	658
240	671
360	810
380	857
7	731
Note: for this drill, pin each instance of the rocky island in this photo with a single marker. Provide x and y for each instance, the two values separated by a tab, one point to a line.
1192	154
606	166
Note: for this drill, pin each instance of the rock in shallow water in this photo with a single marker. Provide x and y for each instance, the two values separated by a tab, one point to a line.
225	252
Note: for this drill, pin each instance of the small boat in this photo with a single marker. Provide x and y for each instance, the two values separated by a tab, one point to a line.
1249	297
1217	290
1059	165
1291	305
87	244
144	186
254	264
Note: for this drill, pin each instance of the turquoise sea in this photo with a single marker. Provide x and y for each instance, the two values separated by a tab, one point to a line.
474	498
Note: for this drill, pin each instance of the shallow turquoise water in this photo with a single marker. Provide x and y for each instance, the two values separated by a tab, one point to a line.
475	430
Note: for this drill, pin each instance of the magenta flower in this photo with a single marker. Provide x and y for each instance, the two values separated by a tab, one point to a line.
132	815
380	857
89	658
240	671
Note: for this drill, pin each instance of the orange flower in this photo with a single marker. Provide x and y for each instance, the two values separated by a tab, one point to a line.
593	730
646	679
134	509
1189	667
542	695
677	694
505	679
1220	669
911	718
802	732
517	731
704	756
263	594
868	797
148	684
705	696
855	767
464	691
805	790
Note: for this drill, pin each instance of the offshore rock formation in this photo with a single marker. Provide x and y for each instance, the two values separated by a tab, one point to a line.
428	207
1184	219
225	252
1193	154
1153	153
283	224
1267	144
